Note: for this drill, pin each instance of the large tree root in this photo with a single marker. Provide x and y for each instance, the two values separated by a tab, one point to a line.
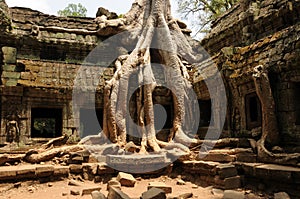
154	14
264	155
270	132
37	156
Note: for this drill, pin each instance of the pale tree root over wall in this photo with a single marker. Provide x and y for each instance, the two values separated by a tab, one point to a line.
270	132
156	16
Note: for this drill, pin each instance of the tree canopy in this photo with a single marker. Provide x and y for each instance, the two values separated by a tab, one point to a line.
203	12
76	10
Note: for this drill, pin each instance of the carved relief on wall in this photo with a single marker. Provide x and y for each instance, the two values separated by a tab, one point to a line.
12	129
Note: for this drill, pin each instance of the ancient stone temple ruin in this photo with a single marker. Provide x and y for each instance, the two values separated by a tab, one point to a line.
255	46
41	55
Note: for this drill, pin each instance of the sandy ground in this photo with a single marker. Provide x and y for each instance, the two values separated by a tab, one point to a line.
61	189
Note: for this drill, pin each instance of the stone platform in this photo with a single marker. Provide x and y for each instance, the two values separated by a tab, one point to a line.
138	163
29	172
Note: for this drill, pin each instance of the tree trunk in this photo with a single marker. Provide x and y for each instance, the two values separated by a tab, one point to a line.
153	15
270	132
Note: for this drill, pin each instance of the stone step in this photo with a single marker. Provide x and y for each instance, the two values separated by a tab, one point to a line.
222	175
272	172
228	155
272	176
25	172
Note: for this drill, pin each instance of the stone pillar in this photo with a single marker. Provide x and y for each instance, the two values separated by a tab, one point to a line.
10	73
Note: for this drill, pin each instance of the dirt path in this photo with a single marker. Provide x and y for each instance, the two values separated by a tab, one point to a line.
61	189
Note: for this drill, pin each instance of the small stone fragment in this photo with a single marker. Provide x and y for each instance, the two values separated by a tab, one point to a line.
64	194
180	182
74	183
17	185
194	187
75	192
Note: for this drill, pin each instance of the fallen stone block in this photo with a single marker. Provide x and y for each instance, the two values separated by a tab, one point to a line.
160	185
89	190
231	194
126	179
97	195
115	193
74	183
154	193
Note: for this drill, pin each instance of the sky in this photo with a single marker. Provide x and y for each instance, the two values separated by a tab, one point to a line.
119	6
52	6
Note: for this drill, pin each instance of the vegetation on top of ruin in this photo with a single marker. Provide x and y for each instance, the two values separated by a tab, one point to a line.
75	10
203	12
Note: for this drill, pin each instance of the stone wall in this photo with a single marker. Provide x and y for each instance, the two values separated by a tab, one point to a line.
275	45
251	20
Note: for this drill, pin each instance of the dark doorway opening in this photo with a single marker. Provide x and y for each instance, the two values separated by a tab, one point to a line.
91	121
46	123
297	102
163	116
52	53
253	111
205	112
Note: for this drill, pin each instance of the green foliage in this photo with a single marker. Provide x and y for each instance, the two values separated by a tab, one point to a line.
73	10
44	125
202	12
